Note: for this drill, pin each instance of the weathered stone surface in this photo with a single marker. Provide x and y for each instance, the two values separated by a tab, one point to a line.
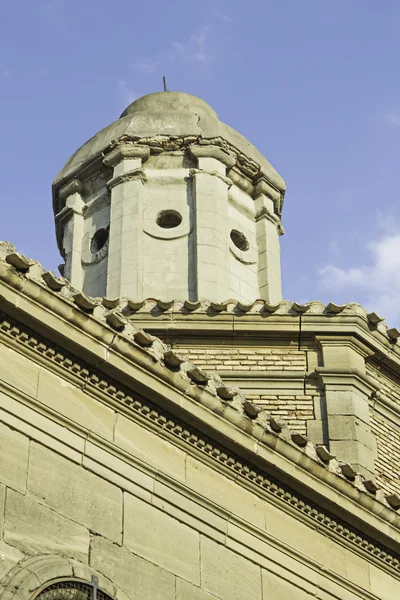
75	493
2	506
188	591
70	401
14	449
9	557
35	529
280	589
149	447
18	371
228	575
224	492
140	579
358	570
159	538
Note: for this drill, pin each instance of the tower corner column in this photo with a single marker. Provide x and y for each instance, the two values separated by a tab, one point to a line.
124	275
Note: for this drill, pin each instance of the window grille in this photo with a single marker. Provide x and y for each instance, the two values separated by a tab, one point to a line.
72	590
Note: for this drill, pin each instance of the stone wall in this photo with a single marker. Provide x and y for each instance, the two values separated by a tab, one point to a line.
123	499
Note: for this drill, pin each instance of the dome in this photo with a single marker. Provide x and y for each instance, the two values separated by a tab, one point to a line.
166	113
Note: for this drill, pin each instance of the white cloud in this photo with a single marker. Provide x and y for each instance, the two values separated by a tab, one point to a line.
377	280
147	65
199	45
392	119
127	93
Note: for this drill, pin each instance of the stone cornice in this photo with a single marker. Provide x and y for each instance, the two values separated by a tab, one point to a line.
135	147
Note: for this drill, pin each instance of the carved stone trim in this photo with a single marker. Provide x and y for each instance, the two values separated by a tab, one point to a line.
193	172
135	175
72	187
127	150
210	151
165	422
264	213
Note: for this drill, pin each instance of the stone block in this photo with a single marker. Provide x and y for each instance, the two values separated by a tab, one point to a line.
35	529
347	402
2	507
9	557
228	575
14	448
315	431
358	570
149	447
138	578
383	585
224	492
40	428
281	589
350	428
355	453
58	394
188	591
157	537
342	355
18	371
75	493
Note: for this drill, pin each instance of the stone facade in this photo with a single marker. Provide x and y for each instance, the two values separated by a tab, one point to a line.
117	465
215	447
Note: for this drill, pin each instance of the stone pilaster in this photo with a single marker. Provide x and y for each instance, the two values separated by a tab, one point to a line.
125	259
71	220
268	230
347	392
210	199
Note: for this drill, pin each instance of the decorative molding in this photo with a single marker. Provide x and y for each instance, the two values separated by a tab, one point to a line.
125	150
264	213
134	175
193	172
210	151
93	379
74	186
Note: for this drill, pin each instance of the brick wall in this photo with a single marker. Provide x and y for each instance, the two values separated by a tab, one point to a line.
296	410
246	359
387	434
387	466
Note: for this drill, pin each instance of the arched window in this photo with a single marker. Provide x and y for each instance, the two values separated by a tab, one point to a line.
67	589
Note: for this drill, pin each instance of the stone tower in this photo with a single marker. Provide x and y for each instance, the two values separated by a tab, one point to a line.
170	202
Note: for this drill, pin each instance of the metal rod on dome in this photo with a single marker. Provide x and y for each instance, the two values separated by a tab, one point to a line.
165	83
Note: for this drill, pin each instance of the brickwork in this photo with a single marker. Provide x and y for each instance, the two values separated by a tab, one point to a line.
387	465
246	359
387	435
296	410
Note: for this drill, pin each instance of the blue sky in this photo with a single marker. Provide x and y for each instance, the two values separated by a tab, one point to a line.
313	84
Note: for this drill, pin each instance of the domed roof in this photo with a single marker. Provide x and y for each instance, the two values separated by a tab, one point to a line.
166	113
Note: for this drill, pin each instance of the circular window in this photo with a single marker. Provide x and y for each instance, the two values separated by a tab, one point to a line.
99	240
240	240
168	219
